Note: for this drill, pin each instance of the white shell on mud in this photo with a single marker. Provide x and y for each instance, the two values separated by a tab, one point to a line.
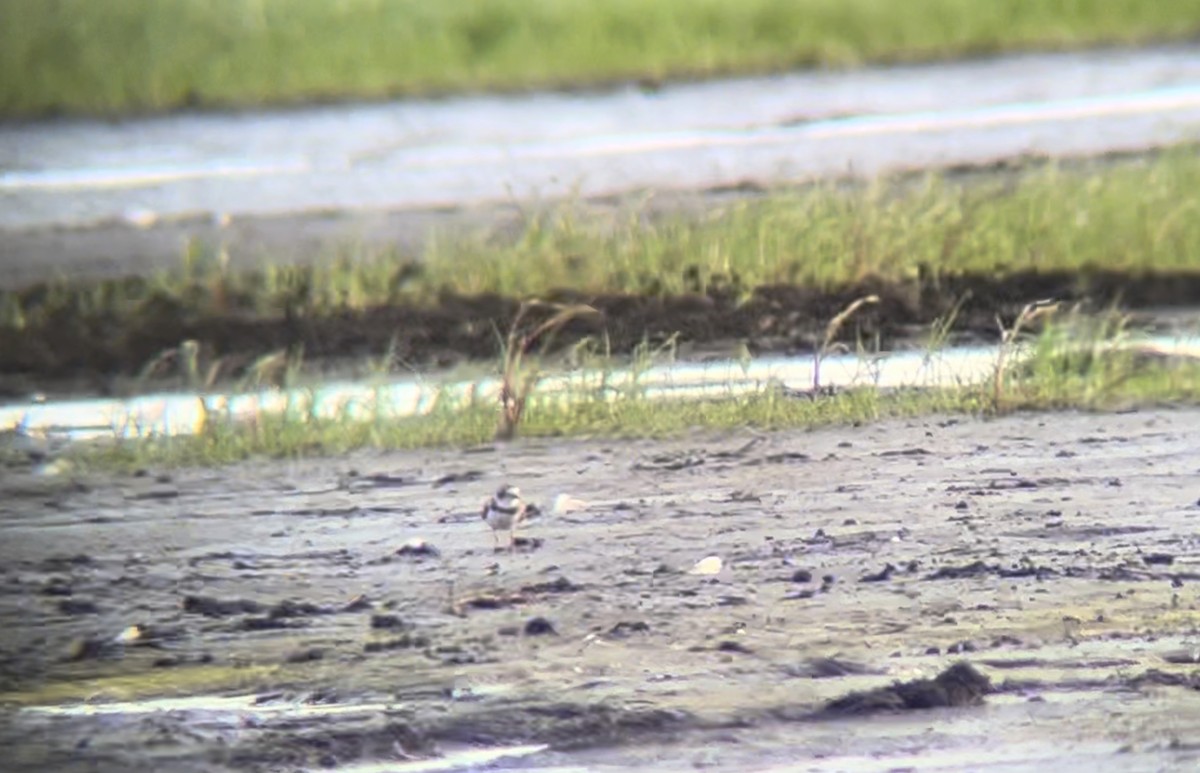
130	634
707	566
565	503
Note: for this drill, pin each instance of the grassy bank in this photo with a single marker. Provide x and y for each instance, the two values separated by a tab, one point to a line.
81	56
1068	365
1129	218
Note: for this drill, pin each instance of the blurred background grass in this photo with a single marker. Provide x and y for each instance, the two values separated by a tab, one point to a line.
83	56
1134	216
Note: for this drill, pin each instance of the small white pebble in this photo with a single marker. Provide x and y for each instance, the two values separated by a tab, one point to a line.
707	566
565	503
139	217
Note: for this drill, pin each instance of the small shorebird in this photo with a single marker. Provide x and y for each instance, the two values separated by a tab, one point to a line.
505	510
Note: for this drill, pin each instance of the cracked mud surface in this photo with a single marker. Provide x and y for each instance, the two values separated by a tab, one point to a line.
1057	554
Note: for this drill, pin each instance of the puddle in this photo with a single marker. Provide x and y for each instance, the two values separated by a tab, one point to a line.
227	713
1031	757
469	759
213	705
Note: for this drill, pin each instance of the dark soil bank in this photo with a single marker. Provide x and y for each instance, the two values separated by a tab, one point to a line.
81	349
1017	594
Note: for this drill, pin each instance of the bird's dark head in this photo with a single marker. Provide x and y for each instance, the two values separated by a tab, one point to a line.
507	493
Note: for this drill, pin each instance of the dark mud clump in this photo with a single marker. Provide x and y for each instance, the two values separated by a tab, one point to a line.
540	626
72	606
827	668
626	628
328	748
1156	678
959	685
979	569
565	726
405	642
388	623
209	606
418	548
212	607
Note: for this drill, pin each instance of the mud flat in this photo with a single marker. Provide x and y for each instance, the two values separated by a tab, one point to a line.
269	616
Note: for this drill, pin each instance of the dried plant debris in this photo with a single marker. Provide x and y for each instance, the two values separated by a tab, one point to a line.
959	685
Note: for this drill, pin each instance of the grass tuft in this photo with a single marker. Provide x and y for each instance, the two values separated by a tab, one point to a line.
831	332
519	376
1077	362
1009	338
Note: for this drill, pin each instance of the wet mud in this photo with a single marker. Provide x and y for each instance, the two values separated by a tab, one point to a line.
76	350
1005	594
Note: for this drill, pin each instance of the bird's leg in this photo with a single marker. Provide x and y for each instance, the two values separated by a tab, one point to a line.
512	539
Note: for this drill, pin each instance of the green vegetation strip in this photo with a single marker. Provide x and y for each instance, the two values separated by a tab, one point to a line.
1133	216
84	56
1060	374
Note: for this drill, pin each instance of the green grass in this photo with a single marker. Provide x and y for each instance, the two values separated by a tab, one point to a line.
293	436
150	55
1070	365
1132	216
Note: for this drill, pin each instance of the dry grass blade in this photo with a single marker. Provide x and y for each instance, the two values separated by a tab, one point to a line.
1008	337
158	364
268	369
518	381
184	359
831	330
941	328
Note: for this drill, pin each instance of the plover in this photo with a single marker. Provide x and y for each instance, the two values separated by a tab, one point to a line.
504	510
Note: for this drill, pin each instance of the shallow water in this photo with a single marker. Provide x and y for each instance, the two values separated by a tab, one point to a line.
183	414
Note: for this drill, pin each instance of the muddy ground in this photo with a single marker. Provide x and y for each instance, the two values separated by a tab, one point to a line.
1057	554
